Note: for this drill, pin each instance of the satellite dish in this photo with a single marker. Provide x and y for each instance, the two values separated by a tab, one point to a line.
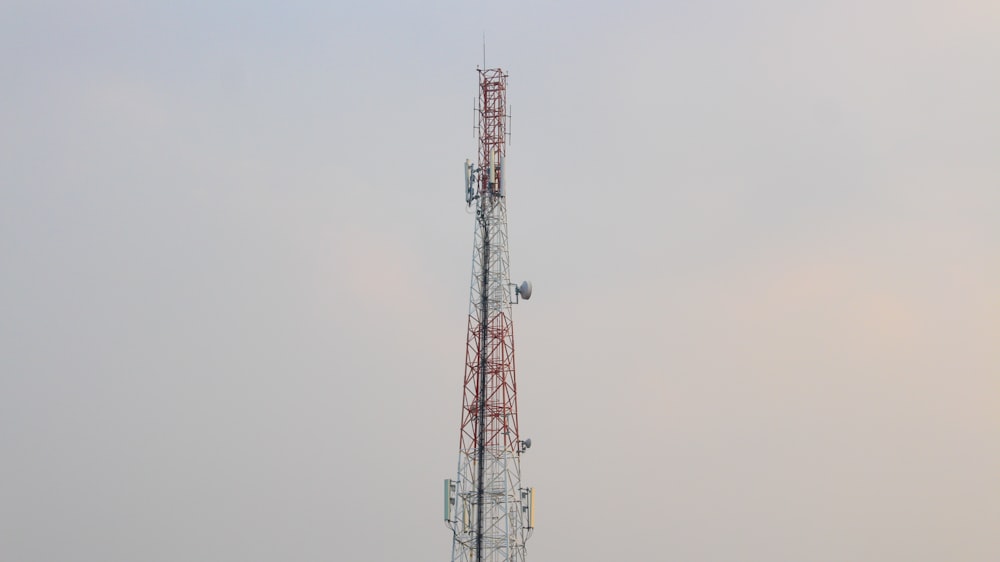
524	289
527	443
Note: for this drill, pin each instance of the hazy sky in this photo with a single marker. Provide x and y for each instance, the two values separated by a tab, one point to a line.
764	240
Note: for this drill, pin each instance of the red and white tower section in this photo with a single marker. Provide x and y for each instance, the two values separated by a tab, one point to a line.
486	507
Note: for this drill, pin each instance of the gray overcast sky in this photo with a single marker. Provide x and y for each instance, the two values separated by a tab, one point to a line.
234	264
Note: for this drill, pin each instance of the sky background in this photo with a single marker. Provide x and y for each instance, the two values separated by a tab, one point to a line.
763	236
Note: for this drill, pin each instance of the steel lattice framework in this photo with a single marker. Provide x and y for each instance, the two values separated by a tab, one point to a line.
485	506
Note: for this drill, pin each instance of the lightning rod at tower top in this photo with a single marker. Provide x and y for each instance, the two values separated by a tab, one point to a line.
488	511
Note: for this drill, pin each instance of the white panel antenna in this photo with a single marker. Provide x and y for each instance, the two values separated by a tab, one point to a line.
469	181
503	177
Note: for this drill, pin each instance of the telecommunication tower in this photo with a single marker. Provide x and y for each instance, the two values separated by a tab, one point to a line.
486	508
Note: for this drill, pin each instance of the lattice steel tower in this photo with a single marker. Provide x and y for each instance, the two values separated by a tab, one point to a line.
489	512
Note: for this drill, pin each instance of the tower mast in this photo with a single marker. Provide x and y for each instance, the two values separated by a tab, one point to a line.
489	512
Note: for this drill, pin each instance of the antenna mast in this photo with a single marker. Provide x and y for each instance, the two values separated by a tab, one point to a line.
489	512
